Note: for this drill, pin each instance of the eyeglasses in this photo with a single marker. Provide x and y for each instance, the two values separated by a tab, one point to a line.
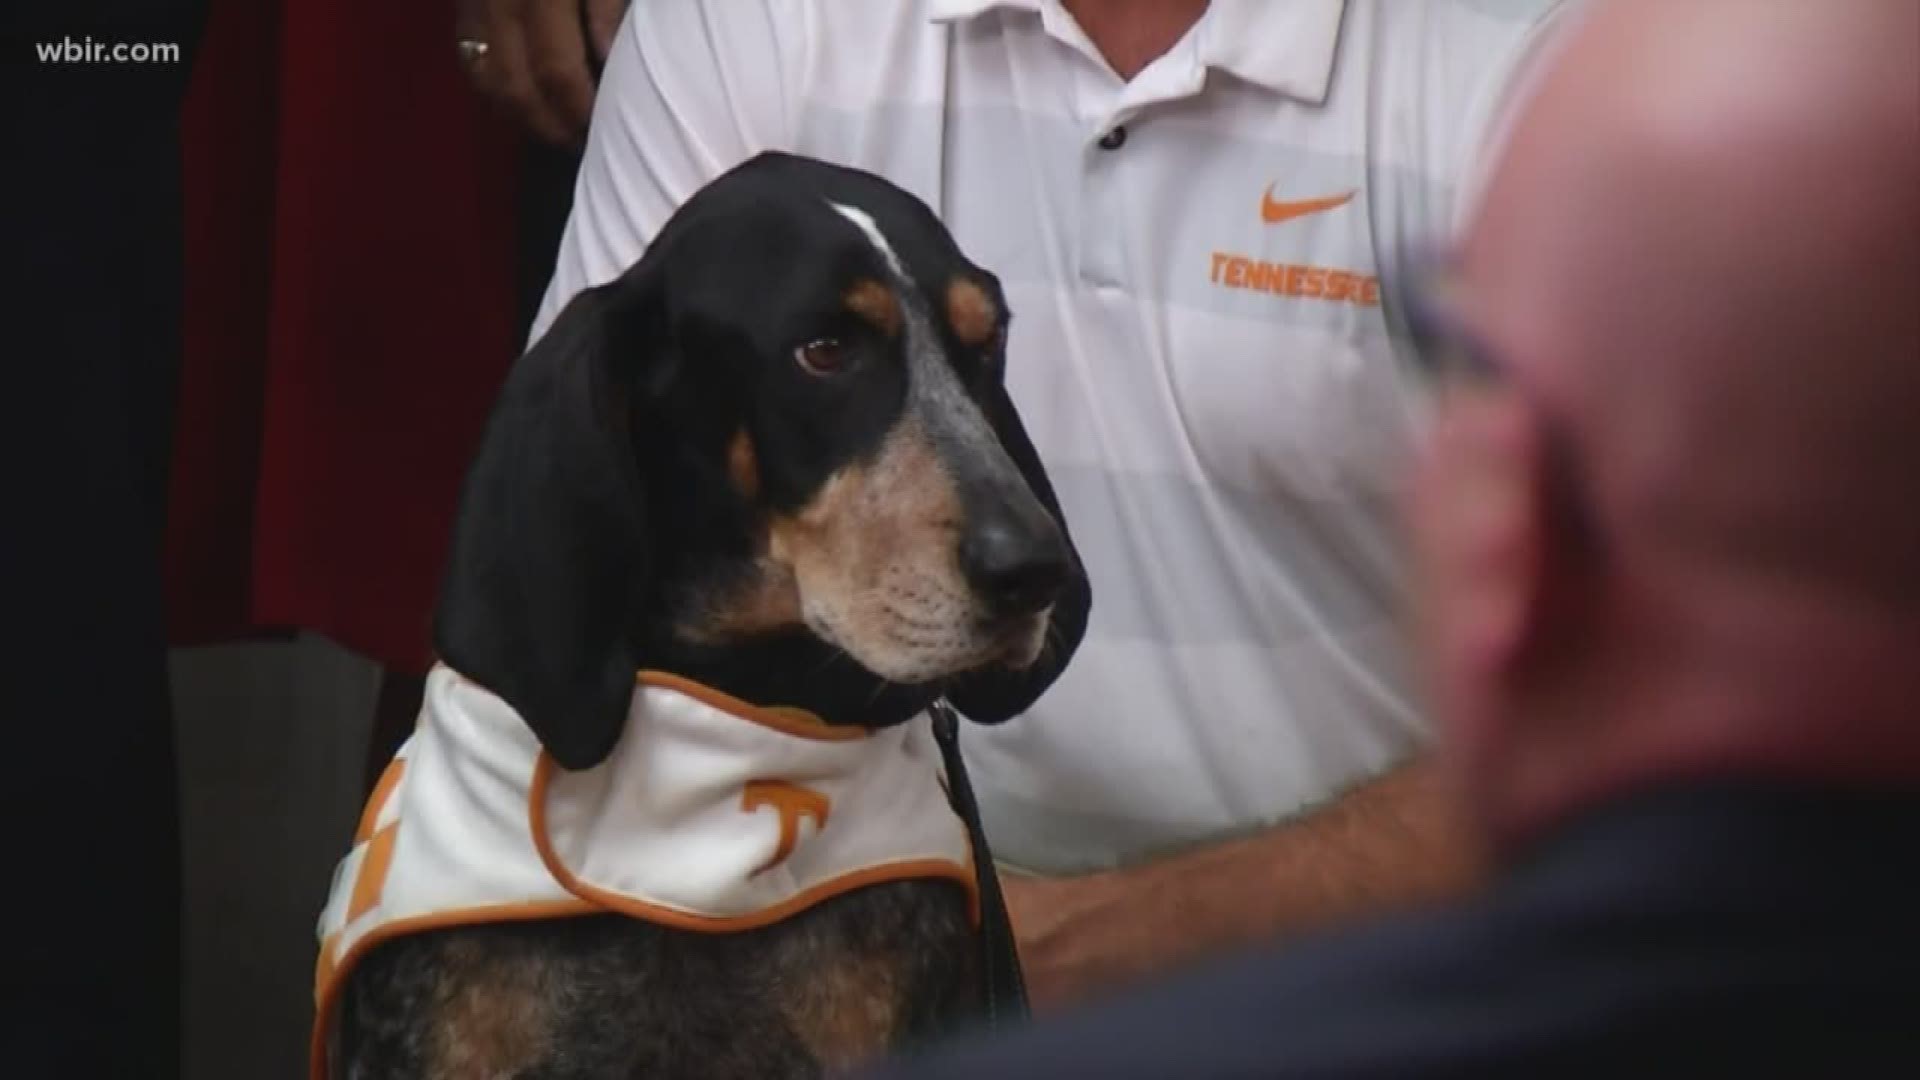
1424	292
1423	295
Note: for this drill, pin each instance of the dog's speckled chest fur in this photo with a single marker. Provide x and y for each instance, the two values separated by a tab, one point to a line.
604	996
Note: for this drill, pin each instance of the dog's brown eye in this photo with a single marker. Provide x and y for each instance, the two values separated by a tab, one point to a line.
822	356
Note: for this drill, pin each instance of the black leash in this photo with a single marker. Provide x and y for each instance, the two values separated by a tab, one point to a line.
1005	989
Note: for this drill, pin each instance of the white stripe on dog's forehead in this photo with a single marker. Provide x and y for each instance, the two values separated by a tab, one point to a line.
949	416
871	230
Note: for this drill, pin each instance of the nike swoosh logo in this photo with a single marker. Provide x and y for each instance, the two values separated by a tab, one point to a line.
1274	211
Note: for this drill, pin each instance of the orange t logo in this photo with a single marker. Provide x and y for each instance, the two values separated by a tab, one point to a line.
792	802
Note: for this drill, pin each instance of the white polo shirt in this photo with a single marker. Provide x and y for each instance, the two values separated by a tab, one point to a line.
1198	348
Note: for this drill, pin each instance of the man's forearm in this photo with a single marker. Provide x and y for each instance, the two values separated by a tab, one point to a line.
1388	842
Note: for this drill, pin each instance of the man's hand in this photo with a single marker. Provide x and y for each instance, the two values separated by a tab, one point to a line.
540	57
1389	843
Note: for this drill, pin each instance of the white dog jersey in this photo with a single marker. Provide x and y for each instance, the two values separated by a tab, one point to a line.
710	814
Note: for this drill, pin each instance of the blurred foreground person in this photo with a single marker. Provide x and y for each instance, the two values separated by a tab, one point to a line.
1671	540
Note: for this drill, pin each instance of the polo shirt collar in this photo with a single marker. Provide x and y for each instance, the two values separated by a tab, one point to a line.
962	10
1287	46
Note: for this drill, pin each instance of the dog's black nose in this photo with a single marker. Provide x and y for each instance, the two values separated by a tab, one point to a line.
1016	562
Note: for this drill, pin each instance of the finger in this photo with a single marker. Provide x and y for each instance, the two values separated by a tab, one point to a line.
603	22
507	74
557	50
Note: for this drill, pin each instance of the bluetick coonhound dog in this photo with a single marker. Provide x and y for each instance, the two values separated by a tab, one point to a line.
739	519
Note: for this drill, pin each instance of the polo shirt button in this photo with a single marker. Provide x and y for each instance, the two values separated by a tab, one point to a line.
1115	139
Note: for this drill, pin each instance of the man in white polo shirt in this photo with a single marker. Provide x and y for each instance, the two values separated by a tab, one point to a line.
1189	205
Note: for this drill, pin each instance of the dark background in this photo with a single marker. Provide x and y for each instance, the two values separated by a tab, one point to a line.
258	302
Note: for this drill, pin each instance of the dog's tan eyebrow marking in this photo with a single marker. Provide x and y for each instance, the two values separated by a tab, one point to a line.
875	303
971	312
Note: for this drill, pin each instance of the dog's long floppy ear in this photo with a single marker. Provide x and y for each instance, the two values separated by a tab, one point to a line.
550	556
997	695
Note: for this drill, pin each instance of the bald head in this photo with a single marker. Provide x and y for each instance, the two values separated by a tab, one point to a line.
1699	253
1703	243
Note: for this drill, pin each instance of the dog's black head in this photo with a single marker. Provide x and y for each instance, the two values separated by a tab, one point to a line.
775	456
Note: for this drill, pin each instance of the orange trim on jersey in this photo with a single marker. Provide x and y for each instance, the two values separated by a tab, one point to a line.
782	718
374	867
332	971
959	872
377	800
